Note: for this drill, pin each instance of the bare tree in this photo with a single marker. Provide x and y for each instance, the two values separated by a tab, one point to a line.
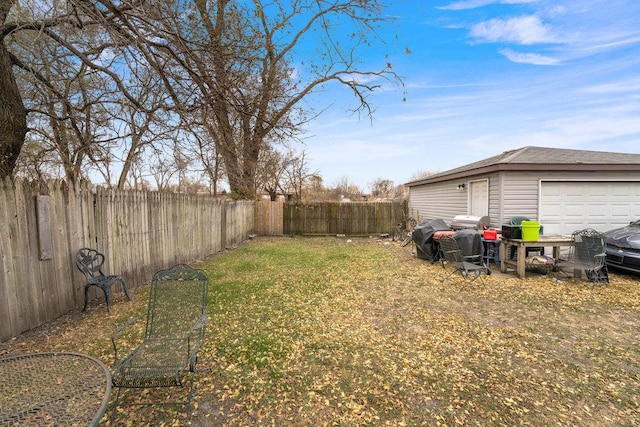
146	129
237	60
383	188
345	189
63	53
314	189
68	110
285	172
271	168
162	170
37	163
198	143
297	173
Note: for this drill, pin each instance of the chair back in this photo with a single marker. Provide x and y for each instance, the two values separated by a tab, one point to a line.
177	300
450	250
517	220
89	262
588	246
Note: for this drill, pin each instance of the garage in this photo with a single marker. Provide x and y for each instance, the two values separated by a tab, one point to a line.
566	190
566	206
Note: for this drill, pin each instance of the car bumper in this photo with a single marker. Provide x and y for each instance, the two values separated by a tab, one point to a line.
623	259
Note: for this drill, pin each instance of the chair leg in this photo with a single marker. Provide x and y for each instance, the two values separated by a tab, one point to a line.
86	297
115	406
124	289
189	404
107	297
446	279
595	276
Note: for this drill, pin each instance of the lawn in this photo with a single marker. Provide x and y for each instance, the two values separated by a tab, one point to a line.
332	331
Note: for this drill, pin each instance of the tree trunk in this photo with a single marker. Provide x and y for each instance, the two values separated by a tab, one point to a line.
13	114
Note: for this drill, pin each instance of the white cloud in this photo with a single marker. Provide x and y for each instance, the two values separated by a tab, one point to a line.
473	4
529	58
625	86
524	30
578	30
598	124
602	41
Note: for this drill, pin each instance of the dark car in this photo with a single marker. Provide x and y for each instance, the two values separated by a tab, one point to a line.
623	247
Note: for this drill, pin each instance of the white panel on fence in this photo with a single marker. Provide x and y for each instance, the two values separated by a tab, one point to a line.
44	227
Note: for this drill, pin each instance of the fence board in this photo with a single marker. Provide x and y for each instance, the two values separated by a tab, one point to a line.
62	289
8	298
19	232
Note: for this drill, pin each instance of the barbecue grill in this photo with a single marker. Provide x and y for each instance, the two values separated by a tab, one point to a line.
463	222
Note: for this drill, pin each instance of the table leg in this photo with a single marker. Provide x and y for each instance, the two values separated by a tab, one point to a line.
522	254
503	256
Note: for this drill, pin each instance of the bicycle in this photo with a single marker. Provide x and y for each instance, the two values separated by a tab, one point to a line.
398	232
403	231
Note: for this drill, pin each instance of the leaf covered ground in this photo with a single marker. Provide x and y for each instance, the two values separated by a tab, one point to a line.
331	331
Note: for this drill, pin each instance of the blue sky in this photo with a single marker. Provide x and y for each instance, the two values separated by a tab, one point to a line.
483	77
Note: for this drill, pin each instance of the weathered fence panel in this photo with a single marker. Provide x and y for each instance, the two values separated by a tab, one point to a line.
140	232
269	218
240	222
355	218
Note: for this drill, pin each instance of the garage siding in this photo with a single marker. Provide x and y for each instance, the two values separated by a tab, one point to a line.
439	200
520	196
442	199
495	199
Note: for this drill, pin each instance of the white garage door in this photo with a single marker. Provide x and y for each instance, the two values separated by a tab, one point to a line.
569	206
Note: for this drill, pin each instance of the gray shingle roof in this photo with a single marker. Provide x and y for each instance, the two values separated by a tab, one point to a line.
563	155
538	156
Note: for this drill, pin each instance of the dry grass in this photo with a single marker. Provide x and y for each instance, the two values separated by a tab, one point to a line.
325	331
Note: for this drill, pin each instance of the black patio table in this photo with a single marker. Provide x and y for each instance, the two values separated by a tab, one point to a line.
53	389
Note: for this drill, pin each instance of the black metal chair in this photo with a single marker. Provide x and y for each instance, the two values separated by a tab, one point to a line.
90	262
166	352
589	254
470	267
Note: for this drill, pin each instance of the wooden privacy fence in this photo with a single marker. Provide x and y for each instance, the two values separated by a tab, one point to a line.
140	232
331	218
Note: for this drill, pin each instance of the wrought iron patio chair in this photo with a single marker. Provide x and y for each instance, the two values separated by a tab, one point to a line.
470	267
589	254
167	353
90	263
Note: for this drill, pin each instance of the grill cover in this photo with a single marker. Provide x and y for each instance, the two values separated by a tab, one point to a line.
470	244
422	235
469	221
